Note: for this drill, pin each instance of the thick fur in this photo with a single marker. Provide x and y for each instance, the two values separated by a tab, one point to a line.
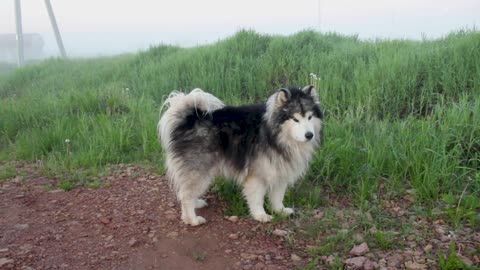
264	147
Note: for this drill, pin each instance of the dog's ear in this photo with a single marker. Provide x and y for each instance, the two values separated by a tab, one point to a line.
311	91
283	95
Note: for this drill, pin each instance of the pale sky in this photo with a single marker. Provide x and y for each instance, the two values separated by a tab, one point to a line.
105	27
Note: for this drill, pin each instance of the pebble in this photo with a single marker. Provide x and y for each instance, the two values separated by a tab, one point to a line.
295	257
279	232
22	226
104	220
4	261
248	256
356	262
132	242
259	266
233	236
330	260
318	215
3	249
172	234
360	250
233	218
368	265
415	266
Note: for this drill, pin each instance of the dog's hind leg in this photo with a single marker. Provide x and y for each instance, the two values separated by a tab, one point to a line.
189	193
276	194
254	190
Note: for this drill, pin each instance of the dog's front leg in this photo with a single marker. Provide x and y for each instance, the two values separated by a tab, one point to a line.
276	194
254	190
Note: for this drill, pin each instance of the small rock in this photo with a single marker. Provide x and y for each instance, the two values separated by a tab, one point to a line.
172	234
247	267
228	251
248	256
358	237
330	260
318	214
396	260
3	249
259	266
133	242
110	237
56	191
104	220
171	217
21	226
368	265
171	204
359	250
233	236
440	230
295	257
279	232
4	261
414	266
356	262
233	218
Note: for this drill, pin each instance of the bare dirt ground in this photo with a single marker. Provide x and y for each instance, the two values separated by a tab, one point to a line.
132	222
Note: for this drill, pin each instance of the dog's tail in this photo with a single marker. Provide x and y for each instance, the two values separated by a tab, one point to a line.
179	105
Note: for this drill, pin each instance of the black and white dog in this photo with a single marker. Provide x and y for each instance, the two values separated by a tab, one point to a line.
264	147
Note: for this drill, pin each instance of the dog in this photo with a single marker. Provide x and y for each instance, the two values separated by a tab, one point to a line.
263	147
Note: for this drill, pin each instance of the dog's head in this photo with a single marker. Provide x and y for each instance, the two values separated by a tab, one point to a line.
297	114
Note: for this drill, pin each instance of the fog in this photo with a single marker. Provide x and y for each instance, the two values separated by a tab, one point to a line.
107	27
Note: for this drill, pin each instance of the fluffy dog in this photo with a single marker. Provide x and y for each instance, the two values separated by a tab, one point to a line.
263	147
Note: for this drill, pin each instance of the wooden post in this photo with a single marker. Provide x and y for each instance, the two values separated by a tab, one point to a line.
55	29
18	24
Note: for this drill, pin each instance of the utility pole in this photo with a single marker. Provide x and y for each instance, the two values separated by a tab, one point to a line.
18	24
55	28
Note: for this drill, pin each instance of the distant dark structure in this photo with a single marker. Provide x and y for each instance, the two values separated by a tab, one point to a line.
33	47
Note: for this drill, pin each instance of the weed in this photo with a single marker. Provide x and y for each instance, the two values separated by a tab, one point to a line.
66	185
7	172
94	184
199	256
452	261
231	193
385	240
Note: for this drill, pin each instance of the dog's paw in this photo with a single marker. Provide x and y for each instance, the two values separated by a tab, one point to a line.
288	211
195	221
264	217
200	203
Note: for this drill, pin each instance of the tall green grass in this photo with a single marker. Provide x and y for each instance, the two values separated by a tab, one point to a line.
399	114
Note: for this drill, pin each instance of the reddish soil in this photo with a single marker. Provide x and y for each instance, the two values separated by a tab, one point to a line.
131	222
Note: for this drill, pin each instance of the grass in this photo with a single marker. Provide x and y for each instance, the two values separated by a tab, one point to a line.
400	114
7	172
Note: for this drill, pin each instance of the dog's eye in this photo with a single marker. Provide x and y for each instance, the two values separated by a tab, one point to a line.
295	119
310	117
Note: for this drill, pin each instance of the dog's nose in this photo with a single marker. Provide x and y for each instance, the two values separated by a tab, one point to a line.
309	135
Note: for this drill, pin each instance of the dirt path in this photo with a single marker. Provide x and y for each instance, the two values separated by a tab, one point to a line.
132	222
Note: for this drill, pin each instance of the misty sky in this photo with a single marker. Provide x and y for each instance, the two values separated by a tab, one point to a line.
105	27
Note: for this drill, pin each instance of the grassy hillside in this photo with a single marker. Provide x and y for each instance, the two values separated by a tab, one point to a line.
400	115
